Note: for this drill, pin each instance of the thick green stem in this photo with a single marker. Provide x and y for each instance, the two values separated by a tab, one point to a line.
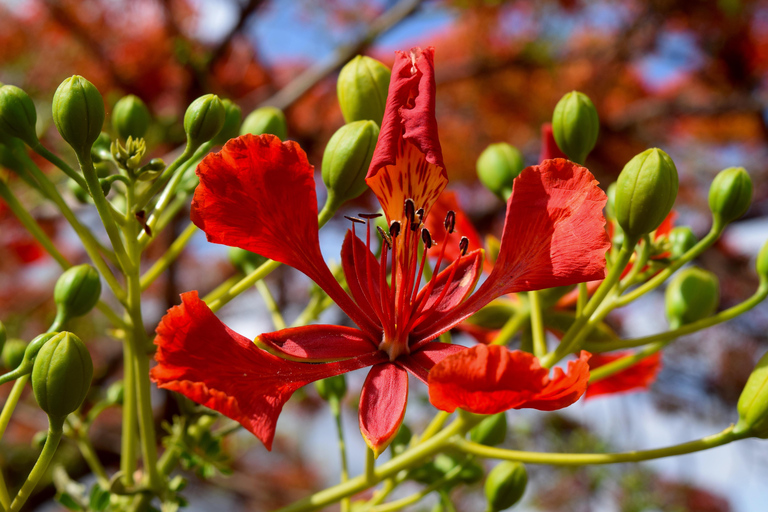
128	441
10	403
335	404
61	164
49	449
537	325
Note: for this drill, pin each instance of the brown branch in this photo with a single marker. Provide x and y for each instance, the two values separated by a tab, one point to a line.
245	13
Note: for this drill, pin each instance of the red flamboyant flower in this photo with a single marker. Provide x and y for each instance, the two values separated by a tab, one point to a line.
259	194
639	376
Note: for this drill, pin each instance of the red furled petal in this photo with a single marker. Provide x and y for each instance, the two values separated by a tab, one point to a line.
408	161
353	262
491	379
564	388
549	147
382	405
448	201
638	376
204	360
319	343
258	194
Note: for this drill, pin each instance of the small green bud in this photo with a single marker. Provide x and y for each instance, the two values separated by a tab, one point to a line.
245	261
204	119
116	392
362	88
681	240
78	113
730	195
498	166
753	402
645	192
693	294
332	387
77	291
130	117
61	375
491	431
346	160
13	353
17	115
263	120
761	264
79	192
233	115
575	125
505	485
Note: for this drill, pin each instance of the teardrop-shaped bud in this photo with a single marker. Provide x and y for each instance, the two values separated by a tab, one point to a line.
13	353
233	115
505	485
730	195
269	120
346	160
130	117
491	431
753	402
362	88
77	291
575	125
78	113
498	166
693	294
645	192
203	120
17	115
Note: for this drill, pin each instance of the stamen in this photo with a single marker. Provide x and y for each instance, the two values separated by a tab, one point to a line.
368	255
385	238
394	228
420	213
409	210
369	215
450	221
415	225
426	238
464	245
354	219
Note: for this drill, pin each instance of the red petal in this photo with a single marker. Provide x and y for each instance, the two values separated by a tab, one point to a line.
549	147
638	376
434	222
258	194
353	262
319	343
382	405
408	161
666	225
204	360
423	359
491	379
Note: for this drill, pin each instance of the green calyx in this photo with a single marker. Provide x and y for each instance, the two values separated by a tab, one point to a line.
78	113
203	120
77	291
233	115
130	117
62	375
263	120
753	403
346	160
362	89
498	166
491	431
692	295
575	125
17	115
730	195
505	485
645	192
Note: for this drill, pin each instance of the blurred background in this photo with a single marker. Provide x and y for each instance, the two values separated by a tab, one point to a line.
688	77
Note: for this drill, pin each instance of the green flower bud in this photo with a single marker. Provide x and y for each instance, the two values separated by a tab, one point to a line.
693	294
245	261
730	195
761	264
491	431
62	375
505	485
78	113
498	166
346	160
263	120
681	240
471	473
116	392
17	115
79	192
233	115
13	353
77	291
204	119
645	192
753	402
130	117
362	88
575	125
332	387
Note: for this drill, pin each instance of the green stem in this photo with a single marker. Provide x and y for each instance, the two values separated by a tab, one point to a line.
61	164
5	499
10	403
319	303
581	301
637	266
244	284
580	459
537	325
128	440
269	301
335	405
49	449
370	465
169	257
434	426
92	459
512	327
625	362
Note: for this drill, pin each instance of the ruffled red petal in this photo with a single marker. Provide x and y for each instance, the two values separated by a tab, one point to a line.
201	358
639	376
491	379
549	147
382	405
318	343
408	161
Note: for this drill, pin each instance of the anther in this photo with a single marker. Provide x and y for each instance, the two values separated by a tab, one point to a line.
409	210
450	221
384	236
354	219
420	213
464	245
369	215
394	229
415	225
426	238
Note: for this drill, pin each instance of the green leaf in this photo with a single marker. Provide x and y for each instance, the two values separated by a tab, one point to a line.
68	502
